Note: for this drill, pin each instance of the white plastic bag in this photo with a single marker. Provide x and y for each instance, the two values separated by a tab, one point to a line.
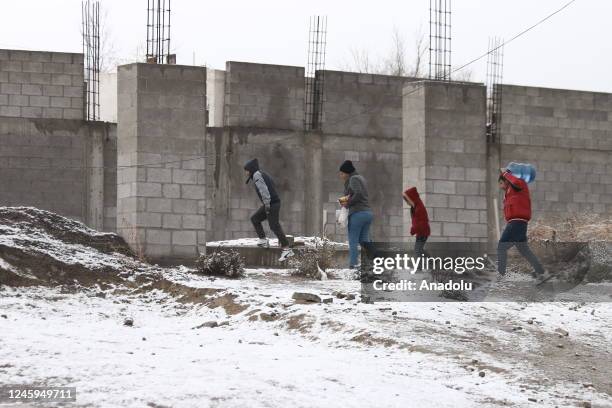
342	217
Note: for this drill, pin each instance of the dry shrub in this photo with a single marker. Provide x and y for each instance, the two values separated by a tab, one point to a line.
313	262
574	227
224	262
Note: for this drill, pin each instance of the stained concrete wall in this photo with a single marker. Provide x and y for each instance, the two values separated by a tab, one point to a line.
379	160
445	156
264	96
37	84
231	202
363	104
161	197
567	135
61	165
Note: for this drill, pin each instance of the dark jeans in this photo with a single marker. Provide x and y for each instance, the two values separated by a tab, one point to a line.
419	246
272	217
515	234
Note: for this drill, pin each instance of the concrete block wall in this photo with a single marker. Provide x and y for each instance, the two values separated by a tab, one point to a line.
379	160
40	84
567	135
161	196
363	104
231	202
58	165
445	156
264	96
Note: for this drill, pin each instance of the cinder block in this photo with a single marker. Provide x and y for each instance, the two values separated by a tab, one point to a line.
29	112
42	101
445	214
4	99
476	203
194	221
60	102
12	111
159	204
31	89
53	68
73	91
148	190
476	174
171	190
477	231
156	236
61	79
18	100
184	238
159	175
444	187
181	176
28	66
72	113
37	78
436	200
193	192
453	229
182	206
468	216
145	219
171	221
10	89
456	201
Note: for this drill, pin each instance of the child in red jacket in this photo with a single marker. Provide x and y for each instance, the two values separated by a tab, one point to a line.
420	220
517	212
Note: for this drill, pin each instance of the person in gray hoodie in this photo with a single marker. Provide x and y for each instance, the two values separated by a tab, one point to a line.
270	210
360	214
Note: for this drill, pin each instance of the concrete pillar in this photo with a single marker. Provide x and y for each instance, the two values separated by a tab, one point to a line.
94	174
445	156
313	186
161	166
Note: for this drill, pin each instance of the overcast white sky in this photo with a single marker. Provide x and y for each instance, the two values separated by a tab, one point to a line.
572	50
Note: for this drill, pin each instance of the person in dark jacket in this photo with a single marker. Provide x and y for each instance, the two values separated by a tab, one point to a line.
420	220
517	212
360	214
270	210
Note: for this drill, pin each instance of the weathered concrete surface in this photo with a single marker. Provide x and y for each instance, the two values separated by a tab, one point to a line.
161	198
61	165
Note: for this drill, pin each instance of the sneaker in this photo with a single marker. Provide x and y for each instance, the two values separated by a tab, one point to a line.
263	243
286	254
543	277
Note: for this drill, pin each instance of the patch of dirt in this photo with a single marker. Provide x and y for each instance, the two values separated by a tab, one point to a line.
302	323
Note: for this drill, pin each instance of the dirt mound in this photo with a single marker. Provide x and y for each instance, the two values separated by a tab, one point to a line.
42	248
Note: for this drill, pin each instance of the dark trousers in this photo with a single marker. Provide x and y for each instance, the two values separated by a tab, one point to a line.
419	246
272	217
515	234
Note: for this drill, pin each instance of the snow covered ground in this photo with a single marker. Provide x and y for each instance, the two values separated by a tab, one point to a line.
276	353
65	294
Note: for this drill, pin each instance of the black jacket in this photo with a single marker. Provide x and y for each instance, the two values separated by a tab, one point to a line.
264	185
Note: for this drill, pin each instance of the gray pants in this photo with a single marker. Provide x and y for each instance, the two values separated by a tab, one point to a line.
273	221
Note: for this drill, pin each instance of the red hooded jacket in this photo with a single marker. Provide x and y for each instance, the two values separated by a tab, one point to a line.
517	203
420	219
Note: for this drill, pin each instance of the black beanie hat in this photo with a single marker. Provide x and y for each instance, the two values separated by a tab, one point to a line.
347	167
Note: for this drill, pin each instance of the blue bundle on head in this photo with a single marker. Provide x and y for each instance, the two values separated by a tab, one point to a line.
523	171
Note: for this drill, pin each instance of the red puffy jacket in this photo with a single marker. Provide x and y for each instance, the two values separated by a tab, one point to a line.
420	220
517	204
